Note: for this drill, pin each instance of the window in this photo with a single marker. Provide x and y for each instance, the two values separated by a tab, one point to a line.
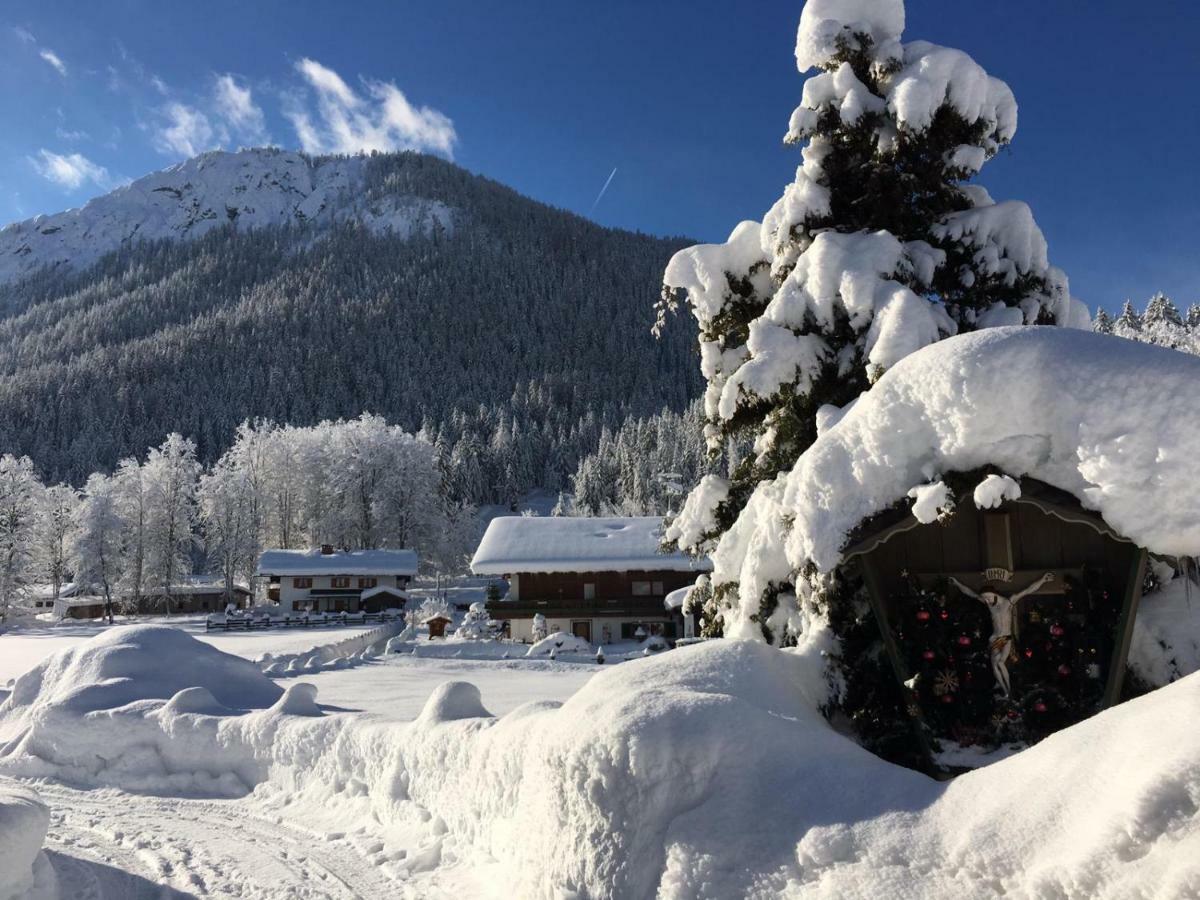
302	582
641	588
296	605
367	583
658	589
340	582
589	590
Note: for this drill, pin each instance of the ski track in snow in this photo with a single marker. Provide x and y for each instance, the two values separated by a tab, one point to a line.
108	844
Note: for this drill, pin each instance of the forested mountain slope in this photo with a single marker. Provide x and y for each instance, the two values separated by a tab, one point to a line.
511	331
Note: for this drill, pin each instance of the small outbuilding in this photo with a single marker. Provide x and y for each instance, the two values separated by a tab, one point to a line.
436	625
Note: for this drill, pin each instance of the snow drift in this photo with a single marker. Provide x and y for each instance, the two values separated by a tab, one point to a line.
23	822
1034	402
707	772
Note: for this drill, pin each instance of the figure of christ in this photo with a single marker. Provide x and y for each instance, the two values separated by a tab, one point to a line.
1001	608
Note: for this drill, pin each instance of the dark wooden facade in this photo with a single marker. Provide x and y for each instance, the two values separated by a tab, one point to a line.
636	589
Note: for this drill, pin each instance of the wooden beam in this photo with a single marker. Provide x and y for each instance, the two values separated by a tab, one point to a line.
912	706
1124	634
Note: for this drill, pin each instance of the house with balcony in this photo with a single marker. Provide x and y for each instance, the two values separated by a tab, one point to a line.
330	580
601	579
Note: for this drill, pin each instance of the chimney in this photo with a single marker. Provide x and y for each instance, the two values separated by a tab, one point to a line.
327	549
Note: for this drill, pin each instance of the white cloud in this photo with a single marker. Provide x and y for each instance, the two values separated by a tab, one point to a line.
24	34
71	171
347	122
53	58
187	131
236	106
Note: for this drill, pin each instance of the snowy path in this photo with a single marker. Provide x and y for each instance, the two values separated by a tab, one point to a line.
109	844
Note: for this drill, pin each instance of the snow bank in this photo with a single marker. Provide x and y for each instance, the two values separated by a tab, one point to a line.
23	823
137	662
1038	402
336	655
708	772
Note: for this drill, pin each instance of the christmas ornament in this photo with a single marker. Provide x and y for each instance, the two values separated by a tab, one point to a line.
928	655
922	615
964	641
1057	630
946	682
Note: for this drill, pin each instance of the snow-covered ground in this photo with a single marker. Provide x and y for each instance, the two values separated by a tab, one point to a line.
22	649
700	772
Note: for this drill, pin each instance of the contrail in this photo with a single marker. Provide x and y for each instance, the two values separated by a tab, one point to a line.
602	190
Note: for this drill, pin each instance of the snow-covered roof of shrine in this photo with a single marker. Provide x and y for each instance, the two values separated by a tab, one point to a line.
341	562
576	544
1113	422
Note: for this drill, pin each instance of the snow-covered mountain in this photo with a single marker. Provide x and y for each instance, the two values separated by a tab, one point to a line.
276	285
250	188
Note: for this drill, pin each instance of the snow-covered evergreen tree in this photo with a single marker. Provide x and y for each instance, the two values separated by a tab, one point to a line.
1102	323
879	247
476	624
1128	323
95	549
20	496
1163	325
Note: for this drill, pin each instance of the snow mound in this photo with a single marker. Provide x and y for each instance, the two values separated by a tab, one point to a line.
138	662
1034	402
452	701
559	642
298	700
23	823
708	772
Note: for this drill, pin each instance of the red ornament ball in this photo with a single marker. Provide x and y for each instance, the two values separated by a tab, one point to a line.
1029	653
945	613
928	654
947	698
1057	630
964	641
1039	706
1013	714
1064	670
922	615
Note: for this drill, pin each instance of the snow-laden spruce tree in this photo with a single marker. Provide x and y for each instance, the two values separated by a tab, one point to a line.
878	248
476	624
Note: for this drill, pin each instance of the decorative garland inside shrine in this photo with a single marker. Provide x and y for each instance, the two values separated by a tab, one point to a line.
1056	660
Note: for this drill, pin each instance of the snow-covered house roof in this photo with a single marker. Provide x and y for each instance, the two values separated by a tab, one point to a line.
383	589
340	562
1112	422
677	598
576	544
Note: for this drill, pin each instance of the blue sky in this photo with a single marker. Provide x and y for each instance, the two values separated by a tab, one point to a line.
687	100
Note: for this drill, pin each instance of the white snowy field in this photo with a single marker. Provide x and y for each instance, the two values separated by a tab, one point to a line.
397	686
